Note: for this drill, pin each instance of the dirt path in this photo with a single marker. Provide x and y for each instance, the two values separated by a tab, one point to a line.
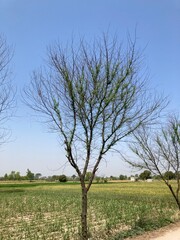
171	232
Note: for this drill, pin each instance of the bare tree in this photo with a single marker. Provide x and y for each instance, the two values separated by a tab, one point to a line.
94	97
159	152
6	90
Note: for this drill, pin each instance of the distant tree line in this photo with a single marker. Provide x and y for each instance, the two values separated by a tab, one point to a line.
15	175
168	175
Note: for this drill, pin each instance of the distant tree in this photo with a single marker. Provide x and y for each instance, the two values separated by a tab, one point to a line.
6	176
37	176
145	175
12	175
122	177
169	175
63	178
88	176
104	179
158	151
98	179
94	97
157	177
23	177
55	178
29	175
113	178
73	177
17	176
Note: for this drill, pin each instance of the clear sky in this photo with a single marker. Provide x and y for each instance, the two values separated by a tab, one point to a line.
32	25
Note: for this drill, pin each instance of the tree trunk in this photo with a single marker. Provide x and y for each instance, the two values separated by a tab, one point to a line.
84	233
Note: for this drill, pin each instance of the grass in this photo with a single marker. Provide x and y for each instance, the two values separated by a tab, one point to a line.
52	210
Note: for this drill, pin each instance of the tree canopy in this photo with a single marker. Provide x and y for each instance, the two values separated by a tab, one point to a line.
7	92
145	175
94	96
158	151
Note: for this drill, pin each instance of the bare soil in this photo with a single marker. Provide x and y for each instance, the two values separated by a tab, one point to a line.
170	232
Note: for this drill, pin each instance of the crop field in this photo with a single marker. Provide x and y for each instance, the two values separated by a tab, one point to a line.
52	210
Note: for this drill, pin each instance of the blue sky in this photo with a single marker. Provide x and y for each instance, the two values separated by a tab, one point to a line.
32	25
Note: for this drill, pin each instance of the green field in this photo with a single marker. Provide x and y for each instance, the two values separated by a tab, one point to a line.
52	210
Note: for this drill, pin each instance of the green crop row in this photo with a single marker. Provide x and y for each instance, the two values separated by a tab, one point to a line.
52	211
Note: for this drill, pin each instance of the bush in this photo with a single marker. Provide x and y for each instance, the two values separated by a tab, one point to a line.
62	178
